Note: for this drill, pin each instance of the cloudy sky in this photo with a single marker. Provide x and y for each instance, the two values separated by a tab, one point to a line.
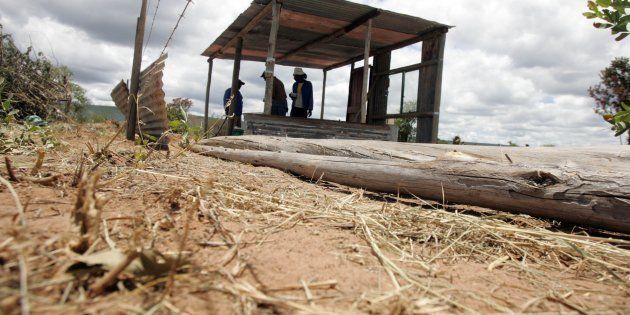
515	70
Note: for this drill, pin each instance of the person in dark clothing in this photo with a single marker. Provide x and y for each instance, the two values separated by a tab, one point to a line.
237	103
302	95
279	105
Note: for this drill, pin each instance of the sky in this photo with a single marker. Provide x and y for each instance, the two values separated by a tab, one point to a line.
515	70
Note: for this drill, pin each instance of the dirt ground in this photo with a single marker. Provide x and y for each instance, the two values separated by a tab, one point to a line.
259	241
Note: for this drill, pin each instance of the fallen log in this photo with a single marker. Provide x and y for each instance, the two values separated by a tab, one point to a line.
580	186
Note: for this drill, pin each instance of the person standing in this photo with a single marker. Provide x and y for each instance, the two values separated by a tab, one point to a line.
237	102
279	105
302	95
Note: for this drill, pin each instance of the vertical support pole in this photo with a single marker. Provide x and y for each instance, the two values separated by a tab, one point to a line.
402	93
430	89
132	120
366	72
207	107
235	86
321	115
377	103
271	55
438	89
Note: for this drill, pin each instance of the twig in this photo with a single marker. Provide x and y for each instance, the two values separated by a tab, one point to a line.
330	284
40	161
16	199
10	172
23	285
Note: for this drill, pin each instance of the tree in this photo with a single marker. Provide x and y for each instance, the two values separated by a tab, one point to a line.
613	92
178	109
177	112
615	15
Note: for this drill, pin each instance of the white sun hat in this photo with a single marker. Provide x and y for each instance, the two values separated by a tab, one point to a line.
298	71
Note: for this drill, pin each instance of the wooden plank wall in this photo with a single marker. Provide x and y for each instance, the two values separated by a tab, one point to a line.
316	129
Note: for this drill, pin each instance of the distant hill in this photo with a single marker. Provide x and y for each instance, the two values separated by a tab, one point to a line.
98	113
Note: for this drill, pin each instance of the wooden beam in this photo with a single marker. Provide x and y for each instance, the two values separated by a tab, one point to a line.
207	105
132	120
409	115
235	84
340	32
422	36
366	72
410	68
271	54
255	21
321	115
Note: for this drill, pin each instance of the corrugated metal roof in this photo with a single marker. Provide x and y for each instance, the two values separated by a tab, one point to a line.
303	21
152	116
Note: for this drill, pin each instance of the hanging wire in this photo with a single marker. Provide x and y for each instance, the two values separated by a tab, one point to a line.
181	16
157	7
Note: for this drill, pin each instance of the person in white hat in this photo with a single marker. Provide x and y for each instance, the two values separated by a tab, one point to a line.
302	95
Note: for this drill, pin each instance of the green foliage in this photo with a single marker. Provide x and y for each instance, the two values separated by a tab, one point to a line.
612	94
614	15
621	120
36	86
405	129
177	112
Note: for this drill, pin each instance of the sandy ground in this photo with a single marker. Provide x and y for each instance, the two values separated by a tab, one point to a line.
260	241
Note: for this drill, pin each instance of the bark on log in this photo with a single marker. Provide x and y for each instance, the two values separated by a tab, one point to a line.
588	186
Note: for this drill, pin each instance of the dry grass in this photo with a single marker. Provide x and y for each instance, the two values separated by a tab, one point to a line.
416	243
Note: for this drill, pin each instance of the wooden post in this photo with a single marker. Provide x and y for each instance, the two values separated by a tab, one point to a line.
321	115
205	112
271	55
366	72
132	121
430	89
235	86
350	88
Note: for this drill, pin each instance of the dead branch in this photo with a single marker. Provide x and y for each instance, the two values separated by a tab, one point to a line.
10	171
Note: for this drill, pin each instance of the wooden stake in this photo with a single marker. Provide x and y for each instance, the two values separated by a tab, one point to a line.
271	56
135	74
235	84
321	116
205	113
366	72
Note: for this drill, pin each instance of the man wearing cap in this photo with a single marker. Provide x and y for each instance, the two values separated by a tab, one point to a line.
279	106
302	95
237	103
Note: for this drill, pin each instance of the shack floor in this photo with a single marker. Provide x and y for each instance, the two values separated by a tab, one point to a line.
260	241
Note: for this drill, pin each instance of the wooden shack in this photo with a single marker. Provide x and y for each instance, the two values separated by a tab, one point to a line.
326	35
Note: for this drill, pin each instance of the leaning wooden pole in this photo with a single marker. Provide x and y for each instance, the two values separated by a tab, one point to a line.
271	55
366	72
207	105
132	120
235	84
